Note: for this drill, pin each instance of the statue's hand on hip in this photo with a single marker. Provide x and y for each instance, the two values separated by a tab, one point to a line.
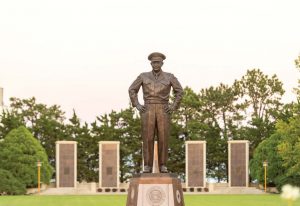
141	108
169	109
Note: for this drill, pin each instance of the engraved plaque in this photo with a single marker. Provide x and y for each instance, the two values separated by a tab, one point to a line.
109	170
66	171
155	189
156	195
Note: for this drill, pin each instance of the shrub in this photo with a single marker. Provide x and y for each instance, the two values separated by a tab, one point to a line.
10	185
267	150
19	153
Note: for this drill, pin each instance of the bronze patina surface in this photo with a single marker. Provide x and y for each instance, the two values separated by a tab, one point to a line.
156	111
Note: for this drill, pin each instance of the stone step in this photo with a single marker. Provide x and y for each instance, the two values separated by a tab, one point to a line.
237	190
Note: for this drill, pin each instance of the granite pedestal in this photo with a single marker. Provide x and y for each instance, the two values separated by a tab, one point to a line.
155	189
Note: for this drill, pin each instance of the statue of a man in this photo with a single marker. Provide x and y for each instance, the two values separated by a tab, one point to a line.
156	111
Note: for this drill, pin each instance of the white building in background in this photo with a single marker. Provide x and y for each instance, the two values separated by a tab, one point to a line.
2	105
1	99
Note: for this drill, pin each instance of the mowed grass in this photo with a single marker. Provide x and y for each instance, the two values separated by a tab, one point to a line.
120	200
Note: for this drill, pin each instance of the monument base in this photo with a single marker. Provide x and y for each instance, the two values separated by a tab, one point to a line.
155	189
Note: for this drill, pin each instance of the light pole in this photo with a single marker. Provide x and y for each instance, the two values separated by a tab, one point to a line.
265	164
39	164
142	157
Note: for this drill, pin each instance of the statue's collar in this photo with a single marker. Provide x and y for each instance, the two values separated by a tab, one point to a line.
156	74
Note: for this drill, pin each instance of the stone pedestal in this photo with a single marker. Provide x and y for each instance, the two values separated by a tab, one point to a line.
156	189
155	168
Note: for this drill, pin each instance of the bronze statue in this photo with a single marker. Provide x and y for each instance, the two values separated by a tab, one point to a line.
156	111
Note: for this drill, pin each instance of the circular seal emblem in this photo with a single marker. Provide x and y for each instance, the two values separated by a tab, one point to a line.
156	195
132	193
178	196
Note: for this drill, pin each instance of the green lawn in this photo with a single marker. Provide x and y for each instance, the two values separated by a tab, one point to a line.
120	200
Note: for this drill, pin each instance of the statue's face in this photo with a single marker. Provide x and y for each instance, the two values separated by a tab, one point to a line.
156	65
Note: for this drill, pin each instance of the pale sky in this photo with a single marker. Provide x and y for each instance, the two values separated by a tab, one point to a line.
84	55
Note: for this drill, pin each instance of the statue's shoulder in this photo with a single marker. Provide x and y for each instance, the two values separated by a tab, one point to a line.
168	75
145	75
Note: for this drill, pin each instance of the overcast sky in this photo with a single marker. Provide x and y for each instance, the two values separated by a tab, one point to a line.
83	55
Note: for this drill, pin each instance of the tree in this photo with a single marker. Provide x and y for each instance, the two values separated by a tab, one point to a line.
261	94
87	149
19	154
213	115
267	151
46	123
289	149
124	127
248	109
282	151
184	126
129	124
220	116
187	114
297	62
9	121
10	185
176	153
297	90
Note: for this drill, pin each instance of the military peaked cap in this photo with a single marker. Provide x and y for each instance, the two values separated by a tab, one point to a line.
156	56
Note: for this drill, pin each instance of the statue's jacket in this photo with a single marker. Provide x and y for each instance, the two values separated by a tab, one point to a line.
156	88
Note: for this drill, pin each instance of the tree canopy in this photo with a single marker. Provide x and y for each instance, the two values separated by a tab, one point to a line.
19	154
249	109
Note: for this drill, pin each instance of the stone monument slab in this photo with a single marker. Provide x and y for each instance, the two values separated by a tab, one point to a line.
238	163
195	155
66	163
109	158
